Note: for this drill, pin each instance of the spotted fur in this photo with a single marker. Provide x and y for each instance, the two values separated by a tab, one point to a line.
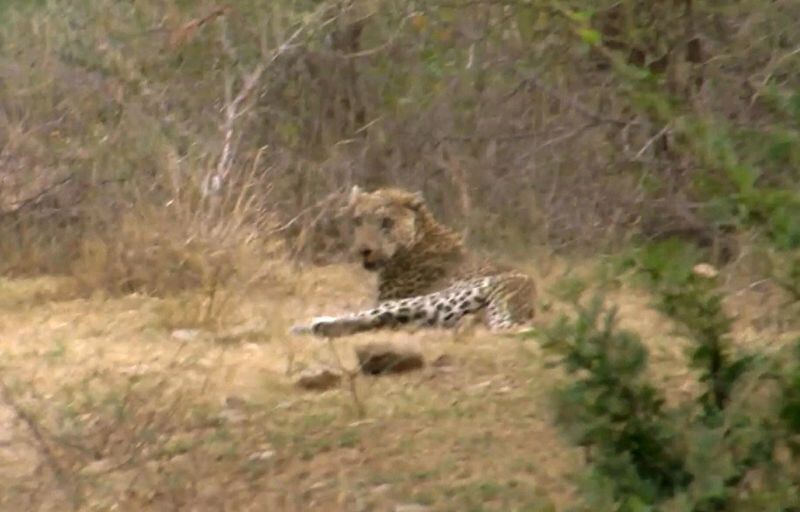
426	278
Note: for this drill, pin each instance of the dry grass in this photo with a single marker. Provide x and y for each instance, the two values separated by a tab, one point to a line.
117	119
119	412
136	417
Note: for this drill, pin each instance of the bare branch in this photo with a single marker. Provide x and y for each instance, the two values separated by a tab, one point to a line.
41	444
386	44
577	106
233	108
650	142
19	205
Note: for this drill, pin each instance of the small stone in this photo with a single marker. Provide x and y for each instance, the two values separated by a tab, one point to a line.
481	385
233	401
135	370
705	270
186	334
318	379
361	423
376	358
381	489
318	485
97	467
261	456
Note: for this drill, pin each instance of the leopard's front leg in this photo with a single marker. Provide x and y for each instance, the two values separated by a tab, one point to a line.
439	309
334	327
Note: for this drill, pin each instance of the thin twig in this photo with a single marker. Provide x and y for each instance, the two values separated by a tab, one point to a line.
773	65
386	44
351	375
328	199
752	285
650	142
534	81
41	444
38	196
233	108
565	136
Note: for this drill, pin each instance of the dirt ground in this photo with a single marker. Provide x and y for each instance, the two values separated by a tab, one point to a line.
113	404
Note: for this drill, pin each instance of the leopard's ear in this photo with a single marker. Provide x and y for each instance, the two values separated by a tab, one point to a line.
355	192
417	201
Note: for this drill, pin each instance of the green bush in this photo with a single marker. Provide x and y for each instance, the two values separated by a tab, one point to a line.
689	296
732	446
610	408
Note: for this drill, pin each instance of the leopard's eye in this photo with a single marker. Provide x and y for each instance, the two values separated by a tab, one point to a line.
387	223
357	220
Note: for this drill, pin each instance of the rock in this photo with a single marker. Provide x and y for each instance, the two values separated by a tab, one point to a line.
136	370
381	489
318	379
234	402
262	456
388	357
97	467
186	334
705	270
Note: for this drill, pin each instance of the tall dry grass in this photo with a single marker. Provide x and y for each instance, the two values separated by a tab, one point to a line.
122	172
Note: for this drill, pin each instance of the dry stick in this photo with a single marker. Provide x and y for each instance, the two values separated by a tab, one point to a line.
187	30
386	44
504	137
773	65
336	194
120	415
290	356
351	379
650	141
207	379
569	135
534	81
573	103
360	130
211	297
232	107
173	407
19	205
69	488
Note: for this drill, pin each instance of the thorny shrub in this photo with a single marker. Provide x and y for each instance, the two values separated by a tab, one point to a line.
731	446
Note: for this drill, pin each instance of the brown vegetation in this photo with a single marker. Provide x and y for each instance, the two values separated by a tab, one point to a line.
171	173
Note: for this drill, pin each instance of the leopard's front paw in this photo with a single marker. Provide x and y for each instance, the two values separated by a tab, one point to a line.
319	326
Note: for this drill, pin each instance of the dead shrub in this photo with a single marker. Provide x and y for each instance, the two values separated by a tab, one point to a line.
198	249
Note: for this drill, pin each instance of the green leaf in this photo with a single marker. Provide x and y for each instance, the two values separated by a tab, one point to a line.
780	151
582	17
526	22
744	177
590	36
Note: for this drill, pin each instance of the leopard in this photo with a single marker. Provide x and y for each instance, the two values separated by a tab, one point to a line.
426	277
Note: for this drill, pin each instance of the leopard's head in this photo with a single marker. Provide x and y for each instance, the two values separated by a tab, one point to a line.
385	222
